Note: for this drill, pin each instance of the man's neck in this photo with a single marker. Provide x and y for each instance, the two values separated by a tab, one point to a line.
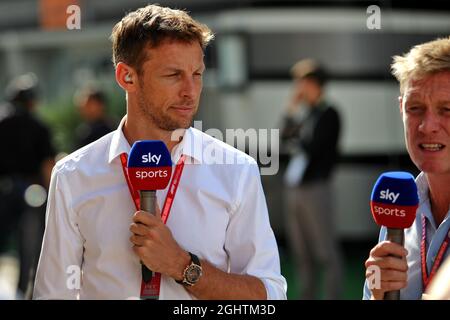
143	131
439	196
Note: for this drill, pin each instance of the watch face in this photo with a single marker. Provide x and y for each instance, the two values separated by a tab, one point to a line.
193	273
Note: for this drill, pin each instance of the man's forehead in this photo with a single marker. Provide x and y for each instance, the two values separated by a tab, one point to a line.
437	82
169	55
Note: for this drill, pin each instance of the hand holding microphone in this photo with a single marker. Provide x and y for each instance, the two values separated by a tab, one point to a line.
155	245
393	204
149	169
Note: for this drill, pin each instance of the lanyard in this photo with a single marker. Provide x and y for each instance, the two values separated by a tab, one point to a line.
151	289
437	262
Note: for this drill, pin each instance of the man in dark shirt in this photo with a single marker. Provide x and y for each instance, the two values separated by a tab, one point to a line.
25	168
91	104
312	141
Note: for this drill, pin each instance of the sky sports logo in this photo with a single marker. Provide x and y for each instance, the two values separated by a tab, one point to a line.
149	165
149	173
385	209
151	158
381	210
387	195
394	200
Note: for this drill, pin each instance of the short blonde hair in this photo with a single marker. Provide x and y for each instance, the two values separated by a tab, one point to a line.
422	60
309	68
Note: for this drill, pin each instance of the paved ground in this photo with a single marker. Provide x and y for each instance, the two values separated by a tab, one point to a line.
9	276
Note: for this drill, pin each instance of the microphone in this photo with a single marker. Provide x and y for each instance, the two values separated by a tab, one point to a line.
393	204
149	169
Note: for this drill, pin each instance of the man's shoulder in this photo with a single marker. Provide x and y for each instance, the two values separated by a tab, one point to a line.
329	115
87	157
210	144
330	110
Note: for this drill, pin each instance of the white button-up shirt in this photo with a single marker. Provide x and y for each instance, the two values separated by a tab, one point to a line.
219	214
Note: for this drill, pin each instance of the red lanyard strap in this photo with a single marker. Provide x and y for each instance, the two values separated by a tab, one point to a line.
438	260
172	188
134	193
151	289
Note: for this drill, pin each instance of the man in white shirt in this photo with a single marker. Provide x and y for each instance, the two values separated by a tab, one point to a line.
219	215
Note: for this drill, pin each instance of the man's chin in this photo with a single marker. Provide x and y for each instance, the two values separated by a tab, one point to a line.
434	168
176	126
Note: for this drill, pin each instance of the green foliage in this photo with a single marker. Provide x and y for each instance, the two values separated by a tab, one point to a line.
63	118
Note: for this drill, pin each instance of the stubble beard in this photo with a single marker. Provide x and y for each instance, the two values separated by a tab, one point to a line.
161	120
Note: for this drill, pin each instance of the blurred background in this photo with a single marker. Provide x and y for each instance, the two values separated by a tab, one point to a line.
247	84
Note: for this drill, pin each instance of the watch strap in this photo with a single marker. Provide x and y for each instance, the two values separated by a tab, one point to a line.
194	260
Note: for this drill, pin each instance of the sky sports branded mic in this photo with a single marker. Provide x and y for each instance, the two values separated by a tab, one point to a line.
393	203
149	169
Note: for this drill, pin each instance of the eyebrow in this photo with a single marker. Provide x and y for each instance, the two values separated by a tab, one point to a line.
418	101
413	101
175	68
170	69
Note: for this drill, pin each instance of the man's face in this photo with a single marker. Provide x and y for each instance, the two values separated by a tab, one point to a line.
425	108
306	90
90	109
170	84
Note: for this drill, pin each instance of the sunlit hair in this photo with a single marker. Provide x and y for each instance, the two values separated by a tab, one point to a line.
149	27
309	69
422	60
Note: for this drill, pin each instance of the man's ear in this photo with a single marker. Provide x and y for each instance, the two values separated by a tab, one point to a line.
126	77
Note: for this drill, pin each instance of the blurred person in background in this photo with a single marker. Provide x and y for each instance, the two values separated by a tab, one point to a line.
310	134
25	168
92	106
424	104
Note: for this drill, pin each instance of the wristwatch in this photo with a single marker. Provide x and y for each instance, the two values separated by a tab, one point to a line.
192	272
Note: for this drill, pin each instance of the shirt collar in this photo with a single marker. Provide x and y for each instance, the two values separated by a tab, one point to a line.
422	187
424	199
191	145
119	144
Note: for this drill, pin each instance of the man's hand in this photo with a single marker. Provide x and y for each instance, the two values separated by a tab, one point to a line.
391	259
294	102
156	247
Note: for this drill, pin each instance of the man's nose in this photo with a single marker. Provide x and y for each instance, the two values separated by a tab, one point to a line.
188	88
430	122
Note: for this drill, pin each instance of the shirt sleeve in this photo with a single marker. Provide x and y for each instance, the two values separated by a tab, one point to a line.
59	270
366	292
250	241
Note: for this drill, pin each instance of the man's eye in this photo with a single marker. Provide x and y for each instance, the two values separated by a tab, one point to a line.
413	109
